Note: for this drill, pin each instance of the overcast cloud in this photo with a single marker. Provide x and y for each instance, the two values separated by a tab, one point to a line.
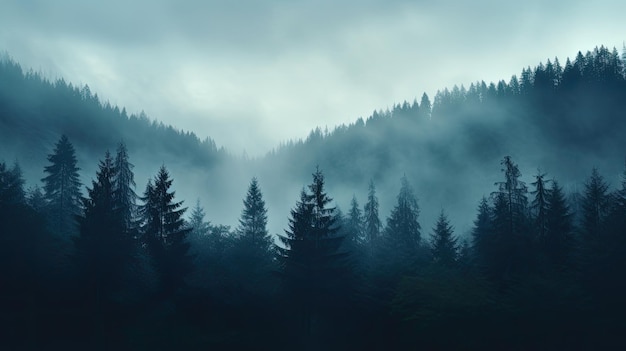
250	74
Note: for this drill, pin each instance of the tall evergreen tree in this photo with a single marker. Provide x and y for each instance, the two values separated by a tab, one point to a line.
199	227
371	217
425	106
253	222
400	249
124	187
511	241
355	223
539	205
62	187
559	225
310	260
165	232
402	225
103	249
443	242
482	234
515	195
595	206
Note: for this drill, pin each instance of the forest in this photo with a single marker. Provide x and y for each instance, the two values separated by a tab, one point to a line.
493	217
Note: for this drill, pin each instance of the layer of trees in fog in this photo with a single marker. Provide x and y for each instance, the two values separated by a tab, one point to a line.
367	252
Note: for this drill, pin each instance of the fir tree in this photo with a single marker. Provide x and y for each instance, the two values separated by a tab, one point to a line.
558	225
482	234
539	205
165	232
253	222
595	206
354	223
443	242
102	248
371	217
310	261
62	187
199	227
402	225
124	187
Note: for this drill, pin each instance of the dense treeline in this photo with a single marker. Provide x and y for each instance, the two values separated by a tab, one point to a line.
104	265
113	269
556	116
35	111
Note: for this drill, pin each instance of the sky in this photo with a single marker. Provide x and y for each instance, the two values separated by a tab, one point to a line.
251	74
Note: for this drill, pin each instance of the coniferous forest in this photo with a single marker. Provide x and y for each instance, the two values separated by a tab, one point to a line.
490	217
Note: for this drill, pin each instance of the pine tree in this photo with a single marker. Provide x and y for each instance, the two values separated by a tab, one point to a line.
371	218
354	223
62	187
443	242
252	227
124	187
514	192
165	232
425	106
402	225
539	205
102	248
199	227
558	225
400	249
595	206
310	261
482	234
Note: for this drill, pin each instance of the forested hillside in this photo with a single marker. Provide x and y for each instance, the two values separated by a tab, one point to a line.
493	217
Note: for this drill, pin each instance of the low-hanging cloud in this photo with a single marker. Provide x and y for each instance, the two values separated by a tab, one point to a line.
251	74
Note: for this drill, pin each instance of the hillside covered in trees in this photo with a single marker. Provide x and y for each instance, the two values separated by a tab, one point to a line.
427	225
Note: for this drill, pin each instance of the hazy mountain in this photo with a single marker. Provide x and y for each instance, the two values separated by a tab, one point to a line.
561	118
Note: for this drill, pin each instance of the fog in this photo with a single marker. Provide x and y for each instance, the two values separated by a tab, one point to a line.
276	71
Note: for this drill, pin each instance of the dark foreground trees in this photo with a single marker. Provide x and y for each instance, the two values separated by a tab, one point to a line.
165	234
62	188
311	264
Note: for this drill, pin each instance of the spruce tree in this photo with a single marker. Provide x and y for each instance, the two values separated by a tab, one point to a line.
354	223
199	227
252	251
403	227
165	233
400	249
62	187
371	218
443	243
539	205
103	250
124	187
482	234
310	258
595	206
252	227
559	225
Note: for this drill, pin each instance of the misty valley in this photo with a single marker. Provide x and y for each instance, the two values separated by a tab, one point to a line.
492	217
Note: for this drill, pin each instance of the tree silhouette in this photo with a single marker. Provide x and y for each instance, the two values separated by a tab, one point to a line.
443	243
310	260
124	187
62	187
371	218
165	233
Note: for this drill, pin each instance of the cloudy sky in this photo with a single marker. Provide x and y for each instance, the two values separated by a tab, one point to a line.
250	74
